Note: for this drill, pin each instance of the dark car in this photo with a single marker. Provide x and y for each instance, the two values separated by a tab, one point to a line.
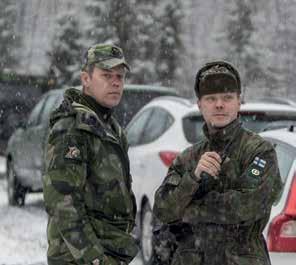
18	95
25	148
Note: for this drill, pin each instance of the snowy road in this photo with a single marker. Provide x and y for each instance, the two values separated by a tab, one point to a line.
23	230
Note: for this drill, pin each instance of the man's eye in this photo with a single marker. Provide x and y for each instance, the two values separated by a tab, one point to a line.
228	97
107	76
210	98
120	77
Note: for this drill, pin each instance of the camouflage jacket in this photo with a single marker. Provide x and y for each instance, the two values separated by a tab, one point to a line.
87	187
226	223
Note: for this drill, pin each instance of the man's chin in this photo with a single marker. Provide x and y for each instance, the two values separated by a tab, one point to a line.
114	102
220	124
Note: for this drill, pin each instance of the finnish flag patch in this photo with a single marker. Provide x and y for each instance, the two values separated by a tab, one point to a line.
259	162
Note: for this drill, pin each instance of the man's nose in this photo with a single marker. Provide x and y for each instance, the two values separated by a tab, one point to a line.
116	80
219	103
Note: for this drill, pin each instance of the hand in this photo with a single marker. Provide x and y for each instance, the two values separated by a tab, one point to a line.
102	261
210	162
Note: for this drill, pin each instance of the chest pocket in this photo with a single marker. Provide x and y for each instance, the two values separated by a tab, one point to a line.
109	182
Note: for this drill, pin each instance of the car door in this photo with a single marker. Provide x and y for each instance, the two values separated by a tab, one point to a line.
30	151
146	165
41	132
22	155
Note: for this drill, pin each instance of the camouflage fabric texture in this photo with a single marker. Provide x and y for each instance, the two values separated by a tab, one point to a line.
104	56
224	225
87	188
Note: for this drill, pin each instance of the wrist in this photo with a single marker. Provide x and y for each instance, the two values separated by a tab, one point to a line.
99	261
195	177
96	262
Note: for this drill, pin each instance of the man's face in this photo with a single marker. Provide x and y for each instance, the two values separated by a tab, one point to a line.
105	86
219	109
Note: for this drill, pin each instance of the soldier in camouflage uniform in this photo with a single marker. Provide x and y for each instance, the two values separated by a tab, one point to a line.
87	185
217	196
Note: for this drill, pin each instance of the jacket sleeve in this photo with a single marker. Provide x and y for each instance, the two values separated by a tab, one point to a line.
259	186
175	193
64	200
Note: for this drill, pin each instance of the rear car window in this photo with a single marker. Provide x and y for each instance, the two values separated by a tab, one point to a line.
132	101
285	156
260	121
192	127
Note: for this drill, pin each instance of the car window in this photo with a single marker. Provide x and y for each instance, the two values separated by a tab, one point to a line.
159	121
51	102
136	128
285	158
192	127
132	101
259	122
34	118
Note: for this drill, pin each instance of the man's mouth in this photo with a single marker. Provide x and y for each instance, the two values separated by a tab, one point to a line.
220	115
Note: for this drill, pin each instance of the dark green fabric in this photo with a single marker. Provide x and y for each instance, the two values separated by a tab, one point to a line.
87	187
228	221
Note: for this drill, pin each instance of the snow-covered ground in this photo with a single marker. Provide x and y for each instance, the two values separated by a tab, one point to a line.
23	230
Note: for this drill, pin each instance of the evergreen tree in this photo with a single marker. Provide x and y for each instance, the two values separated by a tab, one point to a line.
66	55
122	18
9	39
96	26
240	48
146	31
171	49
283	49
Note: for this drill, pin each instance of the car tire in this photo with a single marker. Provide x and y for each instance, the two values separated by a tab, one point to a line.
15	191
146	234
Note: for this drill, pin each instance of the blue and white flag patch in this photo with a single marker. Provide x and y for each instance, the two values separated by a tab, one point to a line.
259	162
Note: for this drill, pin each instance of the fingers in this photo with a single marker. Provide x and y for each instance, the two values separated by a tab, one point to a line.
210	162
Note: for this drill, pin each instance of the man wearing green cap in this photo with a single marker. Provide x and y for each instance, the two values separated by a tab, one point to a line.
217	196
87	185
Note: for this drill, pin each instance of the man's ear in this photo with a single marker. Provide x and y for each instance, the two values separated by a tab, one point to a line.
198	103
85	79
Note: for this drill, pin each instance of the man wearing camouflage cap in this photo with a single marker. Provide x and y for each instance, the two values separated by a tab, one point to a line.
87	185
217	196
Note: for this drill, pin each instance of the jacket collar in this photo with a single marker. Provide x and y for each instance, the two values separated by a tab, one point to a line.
91	116
221	136
102	112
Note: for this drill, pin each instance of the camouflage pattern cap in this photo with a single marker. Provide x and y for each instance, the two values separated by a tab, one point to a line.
104	56
217	77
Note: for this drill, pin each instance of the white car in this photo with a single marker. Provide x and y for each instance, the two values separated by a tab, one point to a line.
280	232
156	135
